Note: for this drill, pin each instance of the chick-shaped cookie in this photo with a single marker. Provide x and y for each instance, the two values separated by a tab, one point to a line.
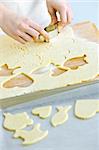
31	136
42	112
18	121
61	116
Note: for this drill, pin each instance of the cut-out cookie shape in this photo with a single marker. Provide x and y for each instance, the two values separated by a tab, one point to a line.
6	71
76	62
54	69
31	137
44	69
58	71
15	122
61	116
42	112
85	109
21	80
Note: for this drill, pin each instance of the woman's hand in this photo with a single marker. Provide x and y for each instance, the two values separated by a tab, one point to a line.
64	10
20	28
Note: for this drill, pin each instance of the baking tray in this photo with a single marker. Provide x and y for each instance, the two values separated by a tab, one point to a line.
75	134
11	101
86	30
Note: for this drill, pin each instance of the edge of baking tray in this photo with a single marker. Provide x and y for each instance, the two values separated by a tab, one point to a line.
12	101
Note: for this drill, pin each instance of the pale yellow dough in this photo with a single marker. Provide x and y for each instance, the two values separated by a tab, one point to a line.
42	112
32	56
17	121
61	116
31	137
87	108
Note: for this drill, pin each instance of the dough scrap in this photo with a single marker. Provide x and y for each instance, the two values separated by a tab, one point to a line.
42	112
21	80
15	122
6	71
31	137
85	109
61	116
76	62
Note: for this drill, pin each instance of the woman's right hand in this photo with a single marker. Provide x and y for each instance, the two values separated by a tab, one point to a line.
20	28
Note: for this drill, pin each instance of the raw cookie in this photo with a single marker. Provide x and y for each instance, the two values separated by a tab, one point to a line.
17	121
21	80
42	112
31	137
85	109
61	116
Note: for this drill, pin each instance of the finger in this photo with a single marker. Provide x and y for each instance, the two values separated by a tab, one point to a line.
53	15
17	38
25	36
32	32
69	16
24	27
39	29
63	16
70	10
20	39
60	26
54	19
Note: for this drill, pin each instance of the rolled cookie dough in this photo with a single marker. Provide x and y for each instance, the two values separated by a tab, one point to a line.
31	137
17	121
42	112
61	116
85	109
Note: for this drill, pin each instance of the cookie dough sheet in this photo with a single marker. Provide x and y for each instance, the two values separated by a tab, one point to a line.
74	134
59	51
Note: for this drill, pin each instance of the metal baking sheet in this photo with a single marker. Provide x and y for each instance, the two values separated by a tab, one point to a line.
8	102
75	134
